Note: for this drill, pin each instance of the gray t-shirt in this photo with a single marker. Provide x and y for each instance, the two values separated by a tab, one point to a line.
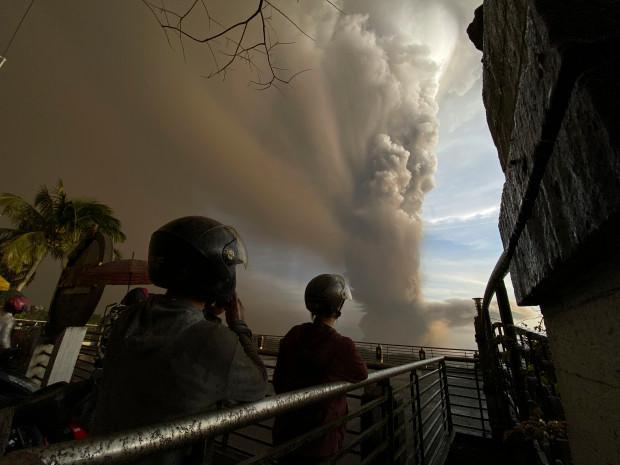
166	361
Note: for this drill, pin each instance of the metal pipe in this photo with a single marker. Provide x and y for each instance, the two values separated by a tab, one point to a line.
510	344
137	442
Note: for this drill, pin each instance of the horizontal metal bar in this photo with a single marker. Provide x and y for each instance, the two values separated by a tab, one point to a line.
430	373
430	386
472	360
270	338
299	441
134	443
435	454
231	447
402	406
460	415
87	370
401	388
430	399
454	394
400	452
374	454
433	411
262	425
468	378
251	438
360	438
469	407
475	428
434	422
429	444
310	435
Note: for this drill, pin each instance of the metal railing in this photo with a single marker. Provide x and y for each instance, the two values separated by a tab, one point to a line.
468	402
469	413
392	354
403	416
464	380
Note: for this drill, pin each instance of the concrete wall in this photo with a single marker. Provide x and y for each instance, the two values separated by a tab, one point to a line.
584	331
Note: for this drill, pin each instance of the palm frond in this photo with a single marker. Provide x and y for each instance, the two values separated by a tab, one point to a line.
53	225
92	213
44	202
23	249
8	233
18	211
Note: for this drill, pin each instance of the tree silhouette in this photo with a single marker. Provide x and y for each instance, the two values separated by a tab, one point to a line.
52	225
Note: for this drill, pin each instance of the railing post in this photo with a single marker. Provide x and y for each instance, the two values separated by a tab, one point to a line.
389	398
419	412
414	417
443	374
484	430
379	353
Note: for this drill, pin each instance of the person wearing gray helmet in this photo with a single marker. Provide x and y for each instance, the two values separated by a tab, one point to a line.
315	353
170	357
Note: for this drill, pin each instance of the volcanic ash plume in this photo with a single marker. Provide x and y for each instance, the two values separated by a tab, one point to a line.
384	89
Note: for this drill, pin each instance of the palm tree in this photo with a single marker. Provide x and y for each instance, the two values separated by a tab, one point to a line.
53	225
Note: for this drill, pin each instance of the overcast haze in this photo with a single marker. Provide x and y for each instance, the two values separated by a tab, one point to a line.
376	163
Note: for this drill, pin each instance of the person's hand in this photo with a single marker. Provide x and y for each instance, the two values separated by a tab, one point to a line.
234	310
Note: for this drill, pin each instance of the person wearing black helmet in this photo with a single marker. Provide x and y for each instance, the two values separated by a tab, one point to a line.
170	356
315	353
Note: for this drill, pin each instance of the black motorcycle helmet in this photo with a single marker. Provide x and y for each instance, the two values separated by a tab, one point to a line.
196	256
325	294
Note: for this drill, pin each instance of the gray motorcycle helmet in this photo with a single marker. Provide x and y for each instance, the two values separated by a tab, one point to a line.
326	293
196	256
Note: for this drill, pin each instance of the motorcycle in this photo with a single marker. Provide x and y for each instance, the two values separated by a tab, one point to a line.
39	417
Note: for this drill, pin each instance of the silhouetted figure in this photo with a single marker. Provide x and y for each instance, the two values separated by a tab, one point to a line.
166	359
315	353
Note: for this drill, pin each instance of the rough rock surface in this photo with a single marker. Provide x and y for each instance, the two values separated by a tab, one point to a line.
525	44
580	191
476	28
510	37
504	23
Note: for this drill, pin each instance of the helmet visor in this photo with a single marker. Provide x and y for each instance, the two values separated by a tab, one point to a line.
234	252
338	288
347	292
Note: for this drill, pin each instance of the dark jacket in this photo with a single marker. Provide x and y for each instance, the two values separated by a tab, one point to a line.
311	354
166	361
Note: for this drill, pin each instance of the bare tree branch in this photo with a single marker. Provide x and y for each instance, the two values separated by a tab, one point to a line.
234	42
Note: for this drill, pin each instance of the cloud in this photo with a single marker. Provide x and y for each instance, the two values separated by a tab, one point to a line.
330	175
490	212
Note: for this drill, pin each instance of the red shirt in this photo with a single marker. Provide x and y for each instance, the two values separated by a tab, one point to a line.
311	354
